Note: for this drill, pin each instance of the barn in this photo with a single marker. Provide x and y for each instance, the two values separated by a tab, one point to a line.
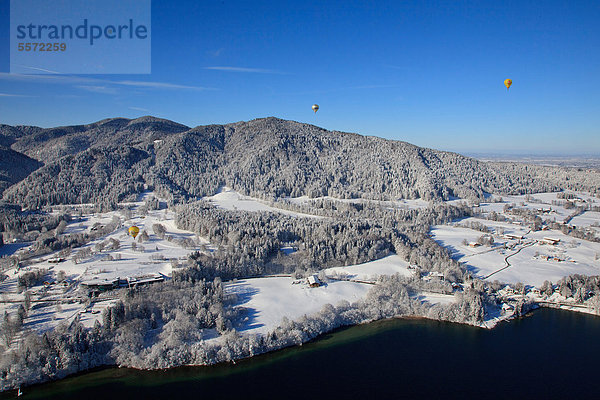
313	281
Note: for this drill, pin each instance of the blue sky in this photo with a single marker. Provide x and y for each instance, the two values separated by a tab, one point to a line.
427	72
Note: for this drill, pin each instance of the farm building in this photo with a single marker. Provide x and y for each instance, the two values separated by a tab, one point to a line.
144	280
513	236
433	275
551	241
97	286
100	285
313	281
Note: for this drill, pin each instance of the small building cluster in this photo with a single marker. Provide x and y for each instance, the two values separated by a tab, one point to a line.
97	286
434	275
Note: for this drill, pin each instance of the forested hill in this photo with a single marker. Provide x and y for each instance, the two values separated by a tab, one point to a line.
111	160
14	167
48	145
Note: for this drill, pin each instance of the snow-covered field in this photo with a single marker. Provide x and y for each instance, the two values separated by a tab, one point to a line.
481	260
437	298
229	199
389	265
588	218
267	300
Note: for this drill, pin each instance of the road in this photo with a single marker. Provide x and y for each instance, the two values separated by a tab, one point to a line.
508	256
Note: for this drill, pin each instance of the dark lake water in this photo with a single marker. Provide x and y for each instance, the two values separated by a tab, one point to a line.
549	354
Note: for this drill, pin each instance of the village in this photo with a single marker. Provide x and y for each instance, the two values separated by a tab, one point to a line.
529	242
66	284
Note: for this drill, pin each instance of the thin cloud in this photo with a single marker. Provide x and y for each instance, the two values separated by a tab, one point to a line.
37	69
5	76
98	89
139	109
216	53
159	85
243	69
13	95
95	83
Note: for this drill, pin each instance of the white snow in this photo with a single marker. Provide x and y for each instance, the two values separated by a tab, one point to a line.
437	298
229	199
369	271
588	218
268	300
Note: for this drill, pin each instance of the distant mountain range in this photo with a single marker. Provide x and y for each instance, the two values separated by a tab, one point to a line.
573	160
113	159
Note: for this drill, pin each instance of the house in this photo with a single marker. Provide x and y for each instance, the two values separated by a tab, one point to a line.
548	240
438	275
142	280
474	244
434	275
514	236
313	281
414	269
506	308
509	290
56	260
97	286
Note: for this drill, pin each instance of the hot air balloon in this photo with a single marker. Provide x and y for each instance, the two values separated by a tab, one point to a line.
133	231
315	107
507	83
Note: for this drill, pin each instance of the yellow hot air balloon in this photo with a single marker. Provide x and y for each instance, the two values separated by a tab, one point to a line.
507	83
315	107
133	231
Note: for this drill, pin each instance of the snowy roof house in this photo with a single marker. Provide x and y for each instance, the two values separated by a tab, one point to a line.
313	281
